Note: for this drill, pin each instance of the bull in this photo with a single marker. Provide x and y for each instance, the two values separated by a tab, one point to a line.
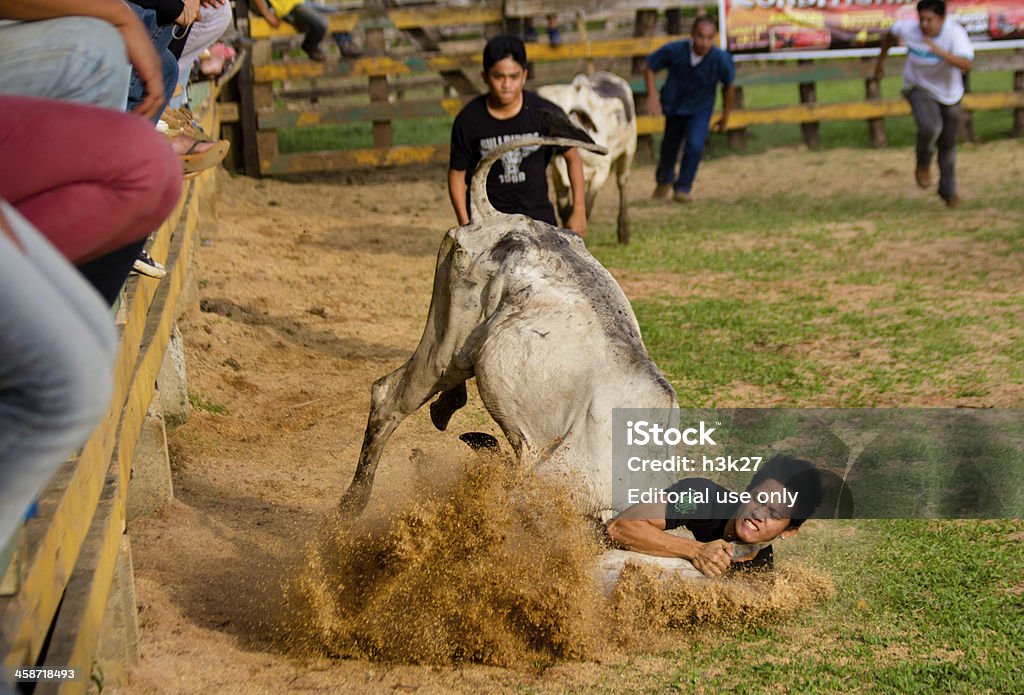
602	104
547	332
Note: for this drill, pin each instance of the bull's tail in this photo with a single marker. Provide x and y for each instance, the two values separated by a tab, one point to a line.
480	207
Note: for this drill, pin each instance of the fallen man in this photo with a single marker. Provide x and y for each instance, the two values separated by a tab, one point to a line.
726	536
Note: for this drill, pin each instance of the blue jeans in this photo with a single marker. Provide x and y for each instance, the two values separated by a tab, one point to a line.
689	132
57	349
161	37
79	59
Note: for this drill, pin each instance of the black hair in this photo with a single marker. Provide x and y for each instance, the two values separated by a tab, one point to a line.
710	20
504	46
936	6
796	475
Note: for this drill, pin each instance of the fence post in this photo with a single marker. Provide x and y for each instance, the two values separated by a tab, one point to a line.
378	85
873	92
737	138
967	123
246	97
1018	86
646	24
808	95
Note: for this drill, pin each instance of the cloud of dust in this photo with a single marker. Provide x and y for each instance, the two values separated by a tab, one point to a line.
497	568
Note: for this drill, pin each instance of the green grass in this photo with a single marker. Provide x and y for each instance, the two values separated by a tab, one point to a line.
201	403
921	607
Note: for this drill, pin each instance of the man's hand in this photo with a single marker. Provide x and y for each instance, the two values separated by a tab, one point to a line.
143	57
577	221
653	104
713	558
722	124
189	13
272	20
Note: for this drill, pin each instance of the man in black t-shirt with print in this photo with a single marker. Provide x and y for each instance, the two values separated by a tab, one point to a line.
700	505
519	183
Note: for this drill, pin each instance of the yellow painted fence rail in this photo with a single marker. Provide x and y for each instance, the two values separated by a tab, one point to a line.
76	548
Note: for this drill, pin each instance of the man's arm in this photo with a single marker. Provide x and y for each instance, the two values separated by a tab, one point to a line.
642	528
956	61
728	94
138	46
577	221
888	41
261	7
457	194
653	102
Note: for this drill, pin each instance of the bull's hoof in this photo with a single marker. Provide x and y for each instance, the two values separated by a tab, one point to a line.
442	409
480	440
353	502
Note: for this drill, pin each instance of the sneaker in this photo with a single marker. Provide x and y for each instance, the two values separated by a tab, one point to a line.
554	38
530	35
316	54
145	265
952	201
662	192
923	177
682	197
347	46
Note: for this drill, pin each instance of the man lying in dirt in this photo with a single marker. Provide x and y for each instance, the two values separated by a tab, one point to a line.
731	531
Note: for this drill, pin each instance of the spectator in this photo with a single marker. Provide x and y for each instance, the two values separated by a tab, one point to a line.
95	190
310	19
57	348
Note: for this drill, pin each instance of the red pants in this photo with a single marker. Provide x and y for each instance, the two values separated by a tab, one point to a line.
92	180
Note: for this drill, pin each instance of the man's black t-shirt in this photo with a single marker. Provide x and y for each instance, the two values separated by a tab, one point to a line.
517	184
699	510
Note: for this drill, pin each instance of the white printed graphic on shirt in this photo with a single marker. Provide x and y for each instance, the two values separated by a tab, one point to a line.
510	161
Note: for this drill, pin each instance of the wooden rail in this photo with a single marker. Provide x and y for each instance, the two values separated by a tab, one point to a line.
72	544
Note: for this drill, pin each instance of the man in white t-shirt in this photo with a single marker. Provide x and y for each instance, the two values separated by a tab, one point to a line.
938	53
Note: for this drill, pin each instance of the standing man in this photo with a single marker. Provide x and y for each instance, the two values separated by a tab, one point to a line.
938	53
508	112
687	99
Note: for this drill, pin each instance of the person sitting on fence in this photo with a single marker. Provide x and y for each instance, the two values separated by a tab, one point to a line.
57	350
95	190
938	53
507	112
687	99
717	525
554	35
75	50
214	19
310	19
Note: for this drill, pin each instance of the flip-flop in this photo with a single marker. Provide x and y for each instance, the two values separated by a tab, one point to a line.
194	162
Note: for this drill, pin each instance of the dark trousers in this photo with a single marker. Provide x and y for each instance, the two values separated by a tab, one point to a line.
161	37
937	128
689	133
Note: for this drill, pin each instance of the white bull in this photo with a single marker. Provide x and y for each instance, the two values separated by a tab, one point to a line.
602	104
547	332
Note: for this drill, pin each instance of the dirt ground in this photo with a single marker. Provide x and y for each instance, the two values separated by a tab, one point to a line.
309	292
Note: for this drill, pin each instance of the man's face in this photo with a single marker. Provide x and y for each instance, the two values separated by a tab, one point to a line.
931	23
760	523
703	38
506	80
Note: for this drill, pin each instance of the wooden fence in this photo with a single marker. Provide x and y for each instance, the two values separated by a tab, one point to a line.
72	575
427	49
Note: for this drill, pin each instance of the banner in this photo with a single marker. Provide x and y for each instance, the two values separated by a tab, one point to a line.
816	28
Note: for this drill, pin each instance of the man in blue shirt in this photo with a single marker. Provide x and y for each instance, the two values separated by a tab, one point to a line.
687	99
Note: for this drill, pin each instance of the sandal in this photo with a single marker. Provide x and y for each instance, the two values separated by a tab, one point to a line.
197	150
